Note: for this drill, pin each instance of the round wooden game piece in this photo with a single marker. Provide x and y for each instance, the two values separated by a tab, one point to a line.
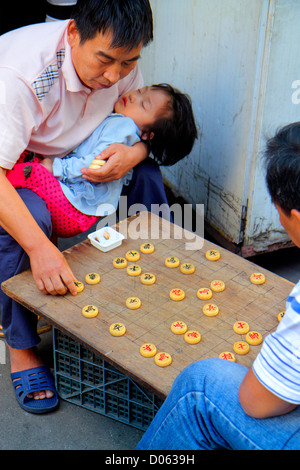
210	310
254	338
79	286
117	329
241	327
120	263
90	311
187	268
97	163
192	337
217	286
228	356
134	270
147	278
132	255
241	347
163	359
280	316
177	294
212	255
257	278
178	327
92	278
172	262
148	350
133	303
147	248
204	293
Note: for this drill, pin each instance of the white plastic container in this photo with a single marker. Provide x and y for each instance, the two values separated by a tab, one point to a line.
106	239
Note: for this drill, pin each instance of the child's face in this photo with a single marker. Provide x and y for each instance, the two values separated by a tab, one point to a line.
144	106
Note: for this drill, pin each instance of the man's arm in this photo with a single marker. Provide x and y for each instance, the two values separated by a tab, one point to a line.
49	267
258	402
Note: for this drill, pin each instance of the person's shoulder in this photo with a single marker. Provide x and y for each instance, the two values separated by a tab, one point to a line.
29	49
124	123
29	34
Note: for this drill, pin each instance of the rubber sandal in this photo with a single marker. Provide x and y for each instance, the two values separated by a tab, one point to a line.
34	380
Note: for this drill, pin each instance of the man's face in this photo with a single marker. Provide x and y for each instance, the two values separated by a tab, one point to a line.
144	106
291	223
97	64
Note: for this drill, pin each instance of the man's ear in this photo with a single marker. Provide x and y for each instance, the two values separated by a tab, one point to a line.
147	135
73	34
295	213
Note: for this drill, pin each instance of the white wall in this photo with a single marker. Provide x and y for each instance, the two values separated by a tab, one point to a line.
237	60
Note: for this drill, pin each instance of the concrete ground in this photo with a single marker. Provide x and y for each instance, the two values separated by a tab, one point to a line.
74	428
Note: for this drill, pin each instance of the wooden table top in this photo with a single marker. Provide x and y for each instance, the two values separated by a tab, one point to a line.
241	300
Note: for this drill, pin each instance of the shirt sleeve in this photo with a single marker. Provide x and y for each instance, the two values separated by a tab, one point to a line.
20	114
115	129
277	365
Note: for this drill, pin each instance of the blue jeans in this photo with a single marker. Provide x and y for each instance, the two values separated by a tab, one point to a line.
19	324
202	412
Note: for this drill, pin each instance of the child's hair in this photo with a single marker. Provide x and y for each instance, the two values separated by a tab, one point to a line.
174	137
130	21
282	161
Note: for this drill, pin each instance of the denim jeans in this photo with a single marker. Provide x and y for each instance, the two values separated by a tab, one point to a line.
202	412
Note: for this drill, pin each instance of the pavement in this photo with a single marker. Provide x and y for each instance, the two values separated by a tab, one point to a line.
72	427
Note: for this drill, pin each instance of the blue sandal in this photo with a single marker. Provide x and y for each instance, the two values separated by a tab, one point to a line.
34	380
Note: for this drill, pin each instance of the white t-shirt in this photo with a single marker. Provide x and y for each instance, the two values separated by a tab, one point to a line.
44	107
277	365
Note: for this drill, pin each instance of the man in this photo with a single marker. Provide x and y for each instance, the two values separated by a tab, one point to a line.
216	404
59	80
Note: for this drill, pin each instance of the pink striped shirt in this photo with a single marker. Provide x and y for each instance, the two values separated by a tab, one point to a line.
44	107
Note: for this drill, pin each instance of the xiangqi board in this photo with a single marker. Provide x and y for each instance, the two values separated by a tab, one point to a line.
150	323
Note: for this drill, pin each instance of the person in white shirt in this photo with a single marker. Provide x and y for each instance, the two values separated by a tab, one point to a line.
58	81
216	404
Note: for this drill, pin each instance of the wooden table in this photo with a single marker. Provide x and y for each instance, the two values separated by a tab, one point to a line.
241	300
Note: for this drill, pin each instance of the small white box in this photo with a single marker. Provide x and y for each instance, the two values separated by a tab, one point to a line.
103	243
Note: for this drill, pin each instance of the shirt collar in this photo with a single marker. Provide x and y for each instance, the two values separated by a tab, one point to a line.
72	80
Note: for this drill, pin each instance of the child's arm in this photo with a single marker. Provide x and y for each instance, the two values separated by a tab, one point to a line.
258	402
47	162
120	159
126	147
69	169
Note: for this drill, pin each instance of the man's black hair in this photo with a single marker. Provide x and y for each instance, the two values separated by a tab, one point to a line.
282	161
130	21
174	137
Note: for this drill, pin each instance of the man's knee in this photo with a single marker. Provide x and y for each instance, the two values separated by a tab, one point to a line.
199	369
38	209
212	371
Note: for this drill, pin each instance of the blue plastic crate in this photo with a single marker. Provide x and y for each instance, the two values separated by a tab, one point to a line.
86	380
